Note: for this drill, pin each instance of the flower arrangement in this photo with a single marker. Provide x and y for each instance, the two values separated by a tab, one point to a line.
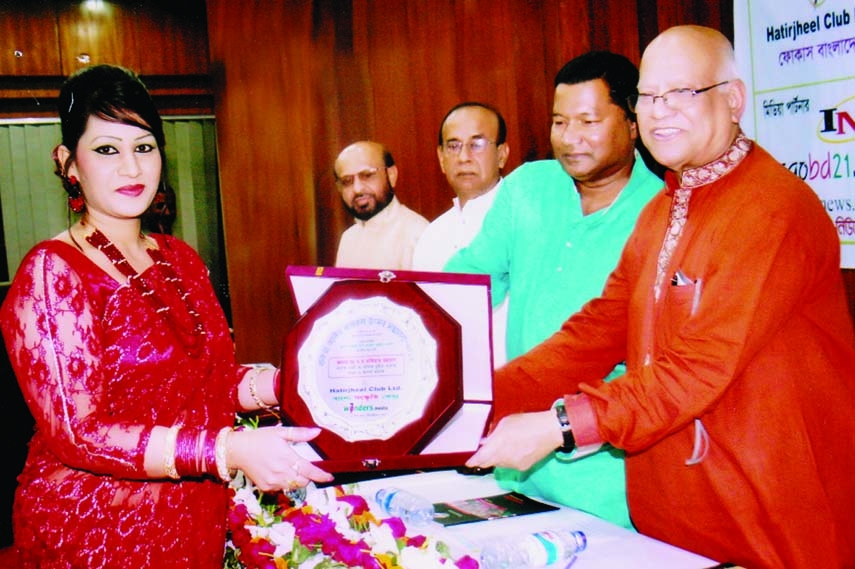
331	528
323	529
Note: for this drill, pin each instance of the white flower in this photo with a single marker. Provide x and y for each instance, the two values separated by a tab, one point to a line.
381	539
248	498
421	558
282	535
257	531
339	516
319	498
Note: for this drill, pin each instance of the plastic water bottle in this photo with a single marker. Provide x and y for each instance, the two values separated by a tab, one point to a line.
533	550
411	508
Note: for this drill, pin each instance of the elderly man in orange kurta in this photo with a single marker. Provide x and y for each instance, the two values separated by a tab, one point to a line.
737	411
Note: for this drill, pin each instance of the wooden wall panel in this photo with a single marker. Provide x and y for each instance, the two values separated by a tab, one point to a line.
104	33
182	44
657	15
569	30
621	33
29	39
396	99
432	86
338	115
528	109
714	13
262	60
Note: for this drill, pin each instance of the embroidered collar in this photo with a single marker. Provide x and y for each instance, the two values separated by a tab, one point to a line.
719	167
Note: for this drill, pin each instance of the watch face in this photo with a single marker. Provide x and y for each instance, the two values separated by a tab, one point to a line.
561	413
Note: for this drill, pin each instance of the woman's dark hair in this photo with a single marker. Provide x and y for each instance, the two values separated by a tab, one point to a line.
111	93
619	73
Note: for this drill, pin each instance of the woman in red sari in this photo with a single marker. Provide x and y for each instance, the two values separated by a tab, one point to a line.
126	363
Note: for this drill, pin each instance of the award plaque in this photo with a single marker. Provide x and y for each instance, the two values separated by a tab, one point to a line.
377	361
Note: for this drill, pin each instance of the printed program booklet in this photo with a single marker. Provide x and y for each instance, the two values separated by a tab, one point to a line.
487	508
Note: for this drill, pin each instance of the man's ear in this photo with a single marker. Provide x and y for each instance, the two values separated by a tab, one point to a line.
439	157
392	174
503	149
633	129
736	99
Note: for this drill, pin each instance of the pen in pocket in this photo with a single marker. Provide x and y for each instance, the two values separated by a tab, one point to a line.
696	298
680	279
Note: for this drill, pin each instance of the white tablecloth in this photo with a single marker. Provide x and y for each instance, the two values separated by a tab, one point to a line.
609	546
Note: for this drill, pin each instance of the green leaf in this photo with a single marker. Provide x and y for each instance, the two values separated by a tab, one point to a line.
299	552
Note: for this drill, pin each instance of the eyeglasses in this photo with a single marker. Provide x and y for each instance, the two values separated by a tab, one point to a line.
674	99
475	146
365	176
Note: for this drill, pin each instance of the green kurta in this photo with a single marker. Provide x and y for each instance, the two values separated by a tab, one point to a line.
537	246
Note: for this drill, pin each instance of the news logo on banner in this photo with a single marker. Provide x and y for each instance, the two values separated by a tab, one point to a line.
797	59
810	133
838	122
835	126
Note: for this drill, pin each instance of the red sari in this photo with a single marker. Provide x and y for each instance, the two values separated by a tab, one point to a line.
99	367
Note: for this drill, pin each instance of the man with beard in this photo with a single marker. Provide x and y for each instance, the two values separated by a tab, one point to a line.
472	150
552	237
386	231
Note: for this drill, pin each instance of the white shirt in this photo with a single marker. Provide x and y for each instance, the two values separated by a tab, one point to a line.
452	231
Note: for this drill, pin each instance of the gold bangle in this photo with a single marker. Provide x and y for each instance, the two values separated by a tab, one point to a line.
253	389
169	452
220	448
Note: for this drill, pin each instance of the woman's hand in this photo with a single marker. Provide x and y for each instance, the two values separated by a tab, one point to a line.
519	441
265	455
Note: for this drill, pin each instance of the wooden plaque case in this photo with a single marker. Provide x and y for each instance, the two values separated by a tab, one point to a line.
455	311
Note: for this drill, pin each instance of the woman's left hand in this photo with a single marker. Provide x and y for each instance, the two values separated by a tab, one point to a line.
266	456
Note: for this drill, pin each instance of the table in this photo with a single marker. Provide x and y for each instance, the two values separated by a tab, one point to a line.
609	546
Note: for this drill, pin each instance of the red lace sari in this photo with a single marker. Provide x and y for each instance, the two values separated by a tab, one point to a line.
99	367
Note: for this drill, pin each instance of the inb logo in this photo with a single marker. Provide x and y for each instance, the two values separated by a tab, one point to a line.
838	124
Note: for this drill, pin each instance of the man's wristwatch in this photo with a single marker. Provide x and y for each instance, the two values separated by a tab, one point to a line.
566	429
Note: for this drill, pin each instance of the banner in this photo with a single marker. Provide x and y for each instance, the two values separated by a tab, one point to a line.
798	62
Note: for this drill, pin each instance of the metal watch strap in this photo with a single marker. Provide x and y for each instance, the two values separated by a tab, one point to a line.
566	429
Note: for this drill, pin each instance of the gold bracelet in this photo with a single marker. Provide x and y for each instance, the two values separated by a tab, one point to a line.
253	389
220	449
169	452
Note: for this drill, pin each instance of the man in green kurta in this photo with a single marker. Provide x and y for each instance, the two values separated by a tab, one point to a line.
553	235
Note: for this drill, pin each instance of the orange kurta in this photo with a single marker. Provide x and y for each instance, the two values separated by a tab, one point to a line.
754	355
